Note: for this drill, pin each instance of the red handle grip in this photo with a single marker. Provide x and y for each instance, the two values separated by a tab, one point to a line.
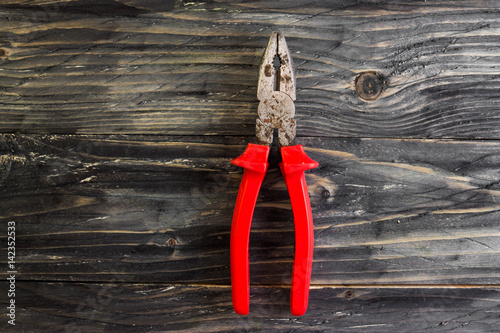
295	162
254	161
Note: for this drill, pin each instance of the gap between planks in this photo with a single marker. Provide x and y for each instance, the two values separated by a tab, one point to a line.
250	137
285	286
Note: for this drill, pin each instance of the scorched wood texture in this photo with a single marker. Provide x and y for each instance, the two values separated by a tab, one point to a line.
118	121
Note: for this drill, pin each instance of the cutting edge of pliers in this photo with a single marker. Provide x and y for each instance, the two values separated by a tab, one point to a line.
276	93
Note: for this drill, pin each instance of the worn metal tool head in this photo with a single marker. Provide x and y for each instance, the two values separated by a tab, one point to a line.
276	93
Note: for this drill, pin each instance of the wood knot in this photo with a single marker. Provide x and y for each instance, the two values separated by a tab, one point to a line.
171	242
349	294
2	53
369	85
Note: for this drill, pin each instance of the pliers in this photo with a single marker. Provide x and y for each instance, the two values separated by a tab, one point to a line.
276	110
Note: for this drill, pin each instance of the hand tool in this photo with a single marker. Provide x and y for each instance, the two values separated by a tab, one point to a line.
276	93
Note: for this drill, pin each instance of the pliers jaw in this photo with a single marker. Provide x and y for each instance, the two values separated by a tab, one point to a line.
272	78
276	93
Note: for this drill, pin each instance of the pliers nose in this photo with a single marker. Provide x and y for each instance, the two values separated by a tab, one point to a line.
276	93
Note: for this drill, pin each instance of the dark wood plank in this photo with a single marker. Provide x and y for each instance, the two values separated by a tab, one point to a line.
158	209
70	307
181	68
124	226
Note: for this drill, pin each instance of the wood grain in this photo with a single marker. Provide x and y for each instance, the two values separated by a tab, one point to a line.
118	121
70	307
190	68
122	208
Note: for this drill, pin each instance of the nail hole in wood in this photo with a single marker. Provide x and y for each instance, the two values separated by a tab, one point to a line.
369	85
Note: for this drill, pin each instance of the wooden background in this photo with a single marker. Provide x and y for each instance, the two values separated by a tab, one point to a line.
118	121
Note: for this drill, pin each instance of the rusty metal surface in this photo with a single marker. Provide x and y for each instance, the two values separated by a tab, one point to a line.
276	93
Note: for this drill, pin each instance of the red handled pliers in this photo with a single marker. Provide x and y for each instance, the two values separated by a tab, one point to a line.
276	93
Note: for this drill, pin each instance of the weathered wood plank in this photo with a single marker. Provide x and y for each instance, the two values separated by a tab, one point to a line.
71	307
158	209
148	67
